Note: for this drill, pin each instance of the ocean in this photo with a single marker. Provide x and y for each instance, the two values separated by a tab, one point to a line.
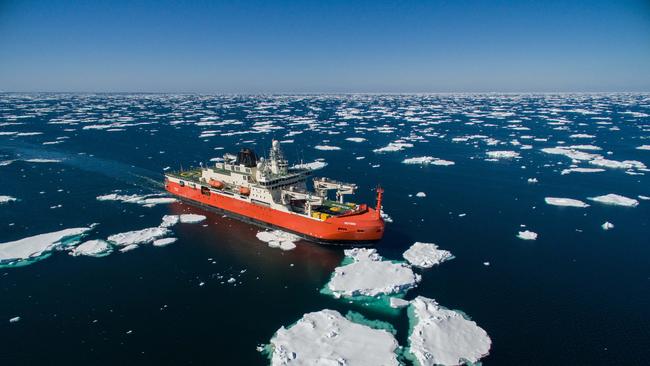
577	294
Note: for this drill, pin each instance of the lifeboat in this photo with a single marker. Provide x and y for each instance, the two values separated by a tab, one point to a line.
244	191
216	183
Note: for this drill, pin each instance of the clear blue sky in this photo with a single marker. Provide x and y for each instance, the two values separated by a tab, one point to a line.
325	46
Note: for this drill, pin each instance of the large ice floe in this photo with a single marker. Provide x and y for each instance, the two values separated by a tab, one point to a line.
92	248
365	273
426	255
28	250
278	239
171	220
440	336
427	160
615	199
315	165
149	200
567	202
327	338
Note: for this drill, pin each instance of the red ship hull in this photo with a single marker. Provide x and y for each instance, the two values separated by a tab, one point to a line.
362	227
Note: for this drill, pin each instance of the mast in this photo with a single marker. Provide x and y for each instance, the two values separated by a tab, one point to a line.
380	194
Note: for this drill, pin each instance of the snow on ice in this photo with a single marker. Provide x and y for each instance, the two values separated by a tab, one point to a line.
527	235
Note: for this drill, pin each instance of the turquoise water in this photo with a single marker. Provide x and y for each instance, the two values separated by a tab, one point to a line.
576	295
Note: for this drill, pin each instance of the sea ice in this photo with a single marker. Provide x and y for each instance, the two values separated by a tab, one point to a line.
643	147
615	199
568	202
327	338
392	147
313	165
129	248
5	199
427	160
326	147
441	336
370	275
607	225
278	239
32	247
15	319
136	237
527	235
92	248
581	170
356	139
164	242
502	154
626	164
420	194
426	255
169	220
191	218
143	200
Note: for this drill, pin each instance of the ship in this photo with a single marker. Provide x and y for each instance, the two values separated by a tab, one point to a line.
269	193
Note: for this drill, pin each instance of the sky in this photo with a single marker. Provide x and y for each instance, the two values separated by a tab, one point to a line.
326	46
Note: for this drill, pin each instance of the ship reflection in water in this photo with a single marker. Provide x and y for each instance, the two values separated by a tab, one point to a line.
220	236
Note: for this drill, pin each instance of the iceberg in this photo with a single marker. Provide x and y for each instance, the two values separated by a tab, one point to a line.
327	338
527	235
28	250
615	199
440	336
567	202
278	239
365	273
426	255
92	248
136	237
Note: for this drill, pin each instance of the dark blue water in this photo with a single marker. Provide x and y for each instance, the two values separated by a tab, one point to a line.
576	295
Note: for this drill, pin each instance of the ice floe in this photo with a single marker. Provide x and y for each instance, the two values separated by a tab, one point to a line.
420	195
326	147
369	275
6	199
355	139
393	146
581	170
502	154
643	147
327	338
426	255
278	239
143	200
313	165
191	218
441	336
615	199
607	225
137	237
164	242
626	164
568	202
527	235
427	160
92	248
27	250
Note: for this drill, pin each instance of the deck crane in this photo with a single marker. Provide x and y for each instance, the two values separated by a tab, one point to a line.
322	185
